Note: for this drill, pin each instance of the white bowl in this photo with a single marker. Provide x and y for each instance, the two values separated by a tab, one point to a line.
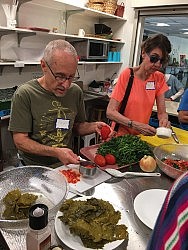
163	132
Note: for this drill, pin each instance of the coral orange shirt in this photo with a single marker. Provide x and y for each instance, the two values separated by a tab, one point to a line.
141	98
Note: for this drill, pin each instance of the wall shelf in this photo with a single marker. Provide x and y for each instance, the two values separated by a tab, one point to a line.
66	6
21	33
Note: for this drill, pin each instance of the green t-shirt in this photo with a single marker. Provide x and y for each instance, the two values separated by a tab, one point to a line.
39	112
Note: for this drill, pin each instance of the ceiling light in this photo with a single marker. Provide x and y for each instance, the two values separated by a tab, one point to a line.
184	29
162	24
185	33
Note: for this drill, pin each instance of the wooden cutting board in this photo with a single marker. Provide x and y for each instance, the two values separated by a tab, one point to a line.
156	141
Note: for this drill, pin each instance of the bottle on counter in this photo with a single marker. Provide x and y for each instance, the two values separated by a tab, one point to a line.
38	236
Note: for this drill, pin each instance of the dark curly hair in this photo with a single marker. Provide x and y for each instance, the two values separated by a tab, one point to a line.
158	41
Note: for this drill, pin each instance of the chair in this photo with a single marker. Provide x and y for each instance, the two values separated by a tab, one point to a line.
87	139
99	113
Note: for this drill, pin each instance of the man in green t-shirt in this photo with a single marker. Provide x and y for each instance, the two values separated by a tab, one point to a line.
46	112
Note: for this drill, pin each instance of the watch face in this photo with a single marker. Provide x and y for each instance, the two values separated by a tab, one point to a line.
129	124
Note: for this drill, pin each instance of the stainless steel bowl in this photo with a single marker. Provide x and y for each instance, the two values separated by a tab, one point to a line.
48	184
170	151
87	168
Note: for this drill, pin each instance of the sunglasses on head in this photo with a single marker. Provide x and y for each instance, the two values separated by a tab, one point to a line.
155	59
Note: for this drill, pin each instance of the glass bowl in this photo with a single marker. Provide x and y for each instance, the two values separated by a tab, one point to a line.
170	151
49	185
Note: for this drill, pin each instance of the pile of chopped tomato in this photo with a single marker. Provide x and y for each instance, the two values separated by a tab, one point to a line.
71	175
178	164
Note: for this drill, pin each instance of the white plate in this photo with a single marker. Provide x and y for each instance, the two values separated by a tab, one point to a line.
147	205
74	242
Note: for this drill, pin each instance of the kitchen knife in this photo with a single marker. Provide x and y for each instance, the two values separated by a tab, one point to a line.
174	136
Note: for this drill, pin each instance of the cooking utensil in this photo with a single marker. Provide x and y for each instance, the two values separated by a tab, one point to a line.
174	136
74	191
87	168
117	173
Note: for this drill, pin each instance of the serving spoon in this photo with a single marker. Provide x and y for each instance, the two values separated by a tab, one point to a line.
117	173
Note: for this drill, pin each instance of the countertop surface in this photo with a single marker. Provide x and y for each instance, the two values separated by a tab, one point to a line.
171	108
121	192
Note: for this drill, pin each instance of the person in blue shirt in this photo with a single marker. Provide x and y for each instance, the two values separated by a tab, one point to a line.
175	88
183	111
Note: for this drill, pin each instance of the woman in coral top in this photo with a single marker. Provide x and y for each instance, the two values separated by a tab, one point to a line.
148	86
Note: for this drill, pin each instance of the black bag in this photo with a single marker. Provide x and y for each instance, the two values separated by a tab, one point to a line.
126	97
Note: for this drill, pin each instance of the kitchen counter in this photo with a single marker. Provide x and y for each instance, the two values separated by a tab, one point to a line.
171	108
122	193
156	141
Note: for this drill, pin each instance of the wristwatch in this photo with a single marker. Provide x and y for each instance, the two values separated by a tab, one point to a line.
130	123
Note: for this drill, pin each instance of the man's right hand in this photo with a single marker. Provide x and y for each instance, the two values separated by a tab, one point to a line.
67	156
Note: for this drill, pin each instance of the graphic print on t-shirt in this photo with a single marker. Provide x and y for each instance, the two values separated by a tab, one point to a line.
49	131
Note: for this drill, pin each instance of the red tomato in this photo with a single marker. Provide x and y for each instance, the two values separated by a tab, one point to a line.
105	131
100	160
71	175
89	166
110	159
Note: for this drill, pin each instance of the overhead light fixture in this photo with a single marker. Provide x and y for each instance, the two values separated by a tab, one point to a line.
162	24
184	29
185	33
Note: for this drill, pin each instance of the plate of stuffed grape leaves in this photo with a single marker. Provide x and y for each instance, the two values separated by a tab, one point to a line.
91	223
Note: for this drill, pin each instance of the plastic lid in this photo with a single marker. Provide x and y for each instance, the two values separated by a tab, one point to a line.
38	216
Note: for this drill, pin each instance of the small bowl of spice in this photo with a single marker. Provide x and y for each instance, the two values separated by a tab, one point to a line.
87	168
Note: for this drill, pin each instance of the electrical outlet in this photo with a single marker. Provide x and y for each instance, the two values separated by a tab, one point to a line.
36	75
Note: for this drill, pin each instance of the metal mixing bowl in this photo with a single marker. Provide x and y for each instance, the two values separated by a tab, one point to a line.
87	168
170	151
48	184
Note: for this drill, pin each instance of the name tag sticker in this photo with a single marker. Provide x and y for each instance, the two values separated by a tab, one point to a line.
61	123
150	85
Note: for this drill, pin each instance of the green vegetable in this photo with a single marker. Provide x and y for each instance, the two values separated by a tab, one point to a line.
94	221
17	205
127	149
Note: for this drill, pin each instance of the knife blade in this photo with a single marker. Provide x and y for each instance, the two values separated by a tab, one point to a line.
74	191
174	136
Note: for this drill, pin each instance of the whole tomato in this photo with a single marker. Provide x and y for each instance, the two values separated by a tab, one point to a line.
100	160
105	131
110	159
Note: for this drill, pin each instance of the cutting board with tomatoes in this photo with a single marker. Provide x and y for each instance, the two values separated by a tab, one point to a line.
91	151
85	183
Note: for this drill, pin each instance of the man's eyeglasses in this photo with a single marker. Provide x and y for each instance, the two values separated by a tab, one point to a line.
63	78
155	59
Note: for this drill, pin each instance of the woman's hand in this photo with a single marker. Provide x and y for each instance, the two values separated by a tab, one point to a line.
164	122
144	129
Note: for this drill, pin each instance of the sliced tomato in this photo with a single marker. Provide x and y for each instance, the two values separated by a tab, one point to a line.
71	175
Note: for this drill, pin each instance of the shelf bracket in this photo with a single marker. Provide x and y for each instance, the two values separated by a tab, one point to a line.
1	69
22	35
20	66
